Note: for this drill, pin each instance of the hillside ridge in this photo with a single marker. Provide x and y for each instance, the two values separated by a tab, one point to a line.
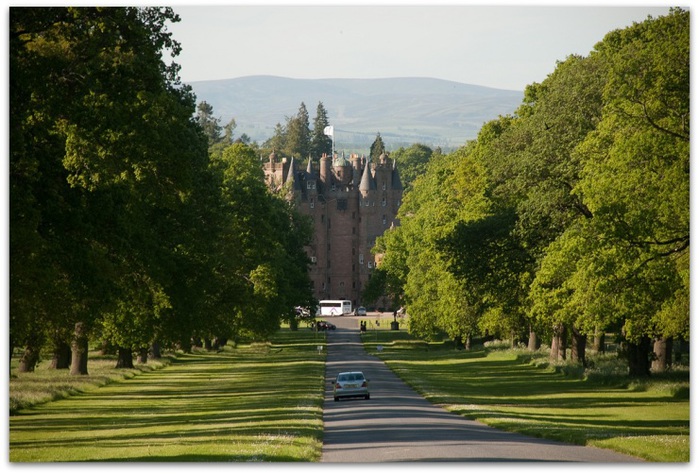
404	110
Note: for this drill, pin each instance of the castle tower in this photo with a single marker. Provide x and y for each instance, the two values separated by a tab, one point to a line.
351	203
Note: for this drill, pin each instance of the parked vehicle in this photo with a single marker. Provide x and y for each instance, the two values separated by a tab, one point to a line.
350	384
361	311
324	326
335	307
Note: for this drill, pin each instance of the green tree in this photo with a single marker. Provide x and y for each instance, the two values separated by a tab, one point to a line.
436	299
320	142
264	267
412	162
377	148
209	124
102	153
298	134
636	178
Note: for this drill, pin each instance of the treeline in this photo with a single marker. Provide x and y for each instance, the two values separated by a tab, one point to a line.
568	219
125	231
296	138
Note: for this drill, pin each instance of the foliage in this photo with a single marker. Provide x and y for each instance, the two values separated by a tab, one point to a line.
574	212
120	219
377	149
412	162
320	142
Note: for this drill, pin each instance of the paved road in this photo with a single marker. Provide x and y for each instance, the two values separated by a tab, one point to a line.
397	424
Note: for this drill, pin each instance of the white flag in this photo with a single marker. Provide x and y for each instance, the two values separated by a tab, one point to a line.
328	130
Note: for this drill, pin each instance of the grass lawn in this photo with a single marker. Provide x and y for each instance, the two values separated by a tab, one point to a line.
506	389
260	402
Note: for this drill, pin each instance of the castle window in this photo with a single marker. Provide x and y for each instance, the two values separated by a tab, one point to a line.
332	187
342	204
383	201
311	184
354	230
322	218
384	219
361	259
313	204
384	185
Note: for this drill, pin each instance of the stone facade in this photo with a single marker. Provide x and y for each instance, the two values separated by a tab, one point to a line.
352	202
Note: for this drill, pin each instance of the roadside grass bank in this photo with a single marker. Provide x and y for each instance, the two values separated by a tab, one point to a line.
256	402
519	391
46	384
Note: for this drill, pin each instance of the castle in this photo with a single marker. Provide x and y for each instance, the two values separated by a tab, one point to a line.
351	203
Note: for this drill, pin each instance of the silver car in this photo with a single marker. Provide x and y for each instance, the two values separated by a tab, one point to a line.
350	384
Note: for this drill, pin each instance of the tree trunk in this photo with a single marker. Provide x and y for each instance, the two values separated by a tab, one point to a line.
32	351
207	344
638	357
79	347
29	359
598	344
124	358
107	348
142	355
155	351
662	358
61	355
533	343
558	343
555	342
577	351
468	343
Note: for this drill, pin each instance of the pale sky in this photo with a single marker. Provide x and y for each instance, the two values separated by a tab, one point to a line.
506	46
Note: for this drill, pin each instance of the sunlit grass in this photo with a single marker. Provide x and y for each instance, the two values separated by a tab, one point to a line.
260	402
507	390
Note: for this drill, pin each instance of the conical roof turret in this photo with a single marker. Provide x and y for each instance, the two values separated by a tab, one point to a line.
367	183
291	176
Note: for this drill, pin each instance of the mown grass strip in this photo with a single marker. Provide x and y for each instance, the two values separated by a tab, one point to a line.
504	389
261	402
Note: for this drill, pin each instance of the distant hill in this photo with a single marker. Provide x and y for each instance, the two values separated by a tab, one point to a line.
433	112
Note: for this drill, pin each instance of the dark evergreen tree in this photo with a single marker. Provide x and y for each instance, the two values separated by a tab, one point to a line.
377	148
320	142
208	123
298	134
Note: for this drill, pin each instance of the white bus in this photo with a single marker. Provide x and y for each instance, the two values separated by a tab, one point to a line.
335	307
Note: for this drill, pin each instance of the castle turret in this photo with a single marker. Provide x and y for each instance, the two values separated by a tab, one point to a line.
325	163
367	183
342	169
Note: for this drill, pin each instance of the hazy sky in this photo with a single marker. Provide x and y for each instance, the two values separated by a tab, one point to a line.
505	46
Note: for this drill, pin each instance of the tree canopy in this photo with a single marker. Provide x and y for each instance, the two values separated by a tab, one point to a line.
123	227
570	215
